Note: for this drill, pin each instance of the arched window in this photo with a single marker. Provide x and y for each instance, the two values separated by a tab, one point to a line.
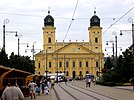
86	63
50	64
67	73
39	65
49	40
66	64
87	72
80	64
60	64
97	64
96	40
73	64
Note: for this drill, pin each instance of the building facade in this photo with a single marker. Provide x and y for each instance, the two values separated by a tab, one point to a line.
74	59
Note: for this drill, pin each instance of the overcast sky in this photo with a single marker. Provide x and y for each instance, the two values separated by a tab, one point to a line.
27	18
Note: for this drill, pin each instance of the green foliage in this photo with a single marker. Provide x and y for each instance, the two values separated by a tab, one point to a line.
3	58
101	82
21	63
109	63
123	70
18	62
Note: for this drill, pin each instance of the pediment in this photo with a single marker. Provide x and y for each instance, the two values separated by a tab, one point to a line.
74	48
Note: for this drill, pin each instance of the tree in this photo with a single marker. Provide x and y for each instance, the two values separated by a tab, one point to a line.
124	67
108	64
123	70
3	58
21	62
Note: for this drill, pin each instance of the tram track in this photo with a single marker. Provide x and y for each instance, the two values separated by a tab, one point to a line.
56	94
76	87
80	92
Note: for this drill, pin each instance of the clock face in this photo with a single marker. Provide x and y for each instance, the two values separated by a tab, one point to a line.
95	20
49	20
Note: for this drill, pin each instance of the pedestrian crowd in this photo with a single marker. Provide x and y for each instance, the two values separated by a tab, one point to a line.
13	92
40	87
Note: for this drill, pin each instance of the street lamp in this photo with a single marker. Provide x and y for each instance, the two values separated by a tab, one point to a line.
57	66
64	66
32	50
6	21
19	36
114	33
22	44
46	62
130	20
112	45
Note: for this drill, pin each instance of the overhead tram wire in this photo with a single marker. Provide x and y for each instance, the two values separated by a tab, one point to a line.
30	15
71	20
118	20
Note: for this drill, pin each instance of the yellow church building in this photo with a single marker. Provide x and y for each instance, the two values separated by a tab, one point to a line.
74	59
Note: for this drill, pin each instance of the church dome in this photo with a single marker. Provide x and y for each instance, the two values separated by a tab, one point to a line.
48	20
95	20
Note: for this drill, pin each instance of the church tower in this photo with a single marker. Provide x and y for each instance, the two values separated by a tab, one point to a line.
95	34
48	33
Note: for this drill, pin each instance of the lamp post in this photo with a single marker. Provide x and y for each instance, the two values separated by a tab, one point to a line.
32	50
46	62
114	33
64	65
19	46
57	66
19	36
6	21
130	20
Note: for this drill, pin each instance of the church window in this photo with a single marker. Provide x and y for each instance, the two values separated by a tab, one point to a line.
87	72
66	64
97	73
78	48
60	65
80	64
86	63
80	73
67	73
49	40
97	64
96	40
73	64
39	65
50	65
96	47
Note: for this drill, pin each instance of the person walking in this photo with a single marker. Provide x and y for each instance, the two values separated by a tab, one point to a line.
65	80
52	84
46	88
132	81
12	92
38	86
88	82
32	88
42	85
